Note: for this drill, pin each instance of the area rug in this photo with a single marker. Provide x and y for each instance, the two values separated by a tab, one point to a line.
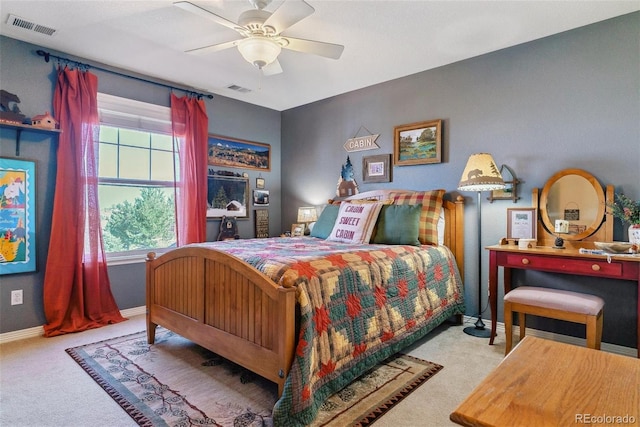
178	383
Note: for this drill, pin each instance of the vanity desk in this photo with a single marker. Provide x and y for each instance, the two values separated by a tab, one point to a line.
566	261
574	196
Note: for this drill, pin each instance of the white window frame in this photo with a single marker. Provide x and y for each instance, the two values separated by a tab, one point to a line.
128	113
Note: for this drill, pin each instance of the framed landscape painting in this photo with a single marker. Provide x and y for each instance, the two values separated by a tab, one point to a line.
237	153
418	143
17	216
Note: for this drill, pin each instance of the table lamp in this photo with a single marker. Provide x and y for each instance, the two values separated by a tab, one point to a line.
480	174
307	214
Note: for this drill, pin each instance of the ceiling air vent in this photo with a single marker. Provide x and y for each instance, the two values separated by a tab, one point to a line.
16	21
239	88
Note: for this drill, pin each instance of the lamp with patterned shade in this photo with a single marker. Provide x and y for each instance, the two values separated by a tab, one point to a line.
480	174
307	214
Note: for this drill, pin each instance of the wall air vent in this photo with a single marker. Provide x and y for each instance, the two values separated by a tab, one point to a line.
239	88
16	21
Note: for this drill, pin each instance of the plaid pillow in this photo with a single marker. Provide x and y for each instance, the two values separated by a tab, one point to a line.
431	202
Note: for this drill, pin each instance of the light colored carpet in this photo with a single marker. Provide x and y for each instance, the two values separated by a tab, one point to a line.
40	385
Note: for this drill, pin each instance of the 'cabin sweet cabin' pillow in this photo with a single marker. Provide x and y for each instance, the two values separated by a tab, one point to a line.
355	222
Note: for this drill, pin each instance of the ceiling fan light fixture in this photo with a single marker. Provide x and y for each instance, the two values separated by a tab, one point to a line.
259	51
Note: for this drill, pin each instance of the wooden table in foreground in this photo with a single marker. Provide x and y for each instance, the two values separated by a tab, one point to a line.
548	383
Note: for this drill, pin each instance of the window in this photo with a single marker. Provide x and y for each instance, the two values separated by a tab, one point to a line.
136	176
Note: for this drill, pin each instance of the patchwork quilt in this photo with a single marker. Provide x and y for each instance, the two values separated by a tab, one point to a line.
358	305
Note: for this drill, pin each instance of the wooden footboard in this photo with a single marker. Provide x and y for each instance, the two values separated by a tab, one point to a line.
223	304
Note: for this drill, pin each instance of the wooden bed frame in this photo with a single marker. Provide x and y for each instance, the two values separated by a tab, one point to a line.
225	305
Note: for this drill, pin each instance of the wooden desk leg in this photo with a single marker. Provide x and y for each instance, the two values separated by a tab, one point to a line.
493	292
638	325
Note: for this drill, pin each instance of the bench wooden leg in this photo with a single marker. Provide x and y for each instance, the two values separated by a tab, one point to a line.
594	331
599	330
522	320
508	327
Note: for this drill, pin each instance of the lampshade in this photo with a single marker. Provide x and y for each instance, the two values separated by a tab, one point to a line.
259	51
307	214
481	174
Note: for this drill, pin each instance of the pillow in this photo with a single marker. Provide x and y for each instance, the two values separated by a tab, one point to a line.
325	222
355	222
398	225
431	202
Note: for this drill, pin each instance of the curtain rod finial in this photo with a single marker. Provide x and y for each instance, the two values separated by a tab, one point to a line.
43	53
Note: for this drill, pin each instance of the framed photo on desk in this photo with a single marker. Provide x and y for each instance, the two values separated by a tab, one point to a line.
522	223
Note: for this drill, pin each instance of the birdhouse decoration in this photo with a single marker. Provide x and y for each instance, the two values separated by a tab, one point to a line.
45	121
347	185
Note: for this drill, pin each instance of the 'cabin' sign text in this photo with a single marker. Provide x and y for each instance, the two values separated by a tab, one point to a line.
361	143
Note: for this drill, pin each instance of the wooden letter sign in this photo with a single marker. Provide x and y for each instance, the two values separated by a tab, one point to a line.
262	223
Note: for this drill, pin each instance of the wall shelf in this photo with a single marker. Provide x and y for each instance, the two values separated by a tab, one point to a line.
21	127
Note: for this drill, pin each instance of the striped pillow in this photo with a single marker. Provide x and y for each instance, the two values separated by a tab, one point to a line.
431	202
355	222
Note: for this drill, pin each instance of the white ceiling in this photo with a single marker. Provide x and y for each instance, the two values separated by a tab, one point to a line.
383	40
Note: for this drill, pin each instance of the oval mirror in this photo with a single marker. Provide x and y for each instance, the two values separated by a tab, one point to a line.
576	196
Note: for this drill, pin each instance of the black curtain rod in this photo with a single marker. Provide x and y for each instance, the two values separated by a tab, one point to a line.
48	56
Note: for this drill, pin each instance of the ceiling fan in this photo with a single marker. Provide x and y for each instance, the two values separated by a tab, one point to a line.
261	31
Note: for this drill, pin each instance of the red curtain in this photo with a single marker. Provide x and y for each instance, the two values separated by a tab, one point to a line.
77	292
190	129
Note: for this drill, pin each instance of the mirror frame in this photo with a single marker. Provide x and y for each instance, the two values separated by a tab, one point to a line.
544	198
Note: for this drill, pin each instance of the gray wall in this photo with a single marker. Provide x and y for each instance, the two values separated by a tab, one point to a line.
27	75
569	100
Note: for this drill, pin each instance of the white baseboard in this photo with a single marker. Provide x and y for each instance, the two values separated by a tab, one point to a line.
38	330
609	348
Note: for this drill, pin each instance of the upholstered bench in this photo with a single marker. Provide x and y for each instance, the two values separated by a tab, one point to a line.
556	304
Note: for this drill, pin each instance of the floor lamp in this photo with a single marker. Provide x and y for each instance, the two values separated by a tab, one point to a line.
480	174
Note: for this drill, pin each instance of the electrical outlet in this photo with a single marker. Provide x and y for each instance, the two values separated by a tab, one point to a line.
16	297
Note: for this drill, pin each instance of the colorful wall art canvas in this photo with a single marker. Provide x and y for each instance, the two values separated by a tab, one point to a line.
17	216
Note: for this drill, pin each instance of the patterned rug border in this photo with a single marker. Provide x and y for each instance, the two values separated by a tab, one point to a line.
143	420
383	407
140	418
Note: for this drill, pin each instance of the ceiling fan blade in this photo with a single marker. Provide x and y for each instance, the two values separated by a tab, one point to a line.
328	50
197	10
272	69
289	12
213	48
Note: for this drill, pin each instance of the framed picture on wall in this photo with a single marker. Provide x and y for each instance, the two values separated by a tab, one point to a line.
17	216
417	143
238	153
376	168
227	195
261	198
260	183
